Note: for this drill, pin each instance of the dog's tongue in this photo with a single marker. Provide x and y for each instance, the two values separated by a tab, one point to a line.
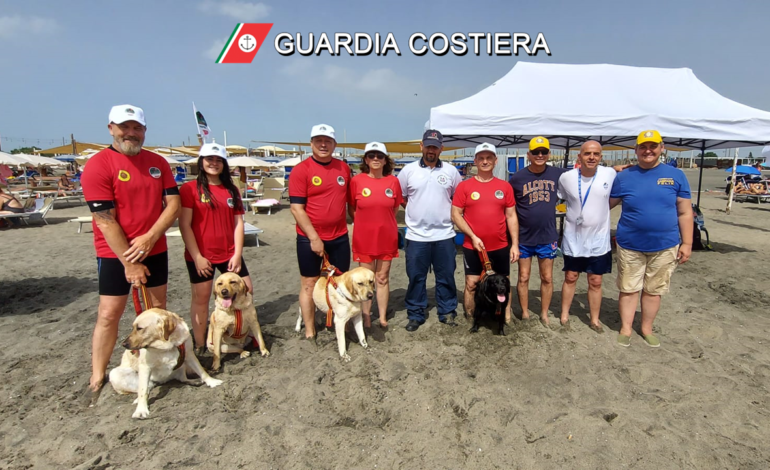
501	298
226	303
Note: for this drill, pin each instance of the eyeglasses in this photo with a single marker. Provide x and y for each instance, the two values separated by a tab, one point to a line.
539	153
376	156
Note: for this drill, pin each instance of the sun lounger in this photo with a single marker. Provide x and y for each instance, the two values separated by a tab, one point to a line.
249	229
81	221
39	213
264	203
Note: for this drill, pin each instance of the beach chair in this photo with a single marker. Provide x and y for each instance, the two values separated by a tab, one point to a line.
273	188
39	214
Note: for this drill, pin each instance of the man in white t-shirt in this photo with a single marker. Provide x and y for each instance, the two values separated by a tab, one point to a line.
428	186
586	243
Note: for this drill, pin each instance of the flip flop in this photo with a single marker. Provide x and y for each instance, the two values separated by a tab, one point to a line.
651	341
624	340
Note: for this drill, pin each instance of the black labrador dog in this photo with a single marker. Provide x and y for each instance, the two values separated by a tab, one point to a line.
492	296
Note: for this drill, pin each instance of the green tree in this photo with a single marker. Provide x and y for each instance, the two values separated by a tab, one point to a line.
751	155
27	150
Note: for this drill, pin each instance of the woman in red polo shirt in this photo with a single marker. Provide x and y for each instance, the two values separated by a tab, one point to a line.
211	223
375	195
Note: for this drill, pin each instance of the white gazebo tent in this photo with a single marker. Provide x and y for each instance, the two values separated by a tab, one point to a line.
570	104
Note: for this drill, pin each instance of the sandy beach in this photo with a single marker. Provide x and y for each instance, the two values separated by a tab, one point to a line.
437	398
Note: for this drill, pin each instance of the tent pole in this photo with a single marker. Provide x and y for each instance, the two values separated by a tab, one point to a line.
700	170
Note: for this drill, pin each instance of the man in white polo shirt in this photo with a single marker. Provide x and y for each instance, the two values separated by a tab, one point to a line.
586	243
428	186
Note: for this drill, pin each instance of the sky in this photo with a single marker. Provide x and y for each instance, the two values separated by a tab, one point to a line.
64	64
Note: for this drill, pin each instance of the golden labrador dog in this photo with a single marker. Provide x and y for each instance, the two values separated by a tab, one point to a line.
353	288
234	321
165	353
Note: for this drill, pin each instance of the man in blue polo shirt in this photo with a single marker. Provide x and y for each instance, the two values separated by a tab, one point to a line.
428	186
654	233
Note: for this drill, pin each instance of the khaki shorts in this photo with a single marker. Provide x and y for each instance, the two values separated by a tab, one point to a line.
648	271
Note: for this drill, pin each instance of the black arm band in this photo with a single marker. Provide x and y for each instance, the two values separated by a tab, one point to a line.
297	200
171	191
100	206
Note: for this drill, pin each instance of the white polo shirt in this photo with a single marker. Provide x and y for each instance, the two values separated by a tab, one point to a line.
592	237
429	192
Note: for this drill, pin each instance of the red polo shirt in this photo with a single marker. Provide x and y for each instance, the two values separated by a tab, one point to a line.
135	185
214	228
484	207
376	201
323	188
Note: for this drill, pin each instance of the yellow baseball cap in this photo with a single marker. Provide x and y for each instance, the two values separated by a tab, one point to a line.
649	136
539	142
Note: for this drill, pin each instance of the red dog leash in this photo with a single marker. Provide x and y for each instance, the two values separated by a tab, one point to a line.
488	271
331	272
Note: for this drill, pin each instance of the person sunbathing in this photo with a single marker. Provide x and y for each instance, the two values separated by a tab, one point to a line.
65	185
10	205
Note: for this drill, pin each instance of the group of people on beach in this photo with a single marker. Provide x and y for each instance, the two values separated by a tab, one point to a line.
134	200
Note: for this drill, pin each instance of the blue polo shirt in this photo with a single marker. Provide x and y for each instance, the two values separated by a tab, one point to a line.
649	220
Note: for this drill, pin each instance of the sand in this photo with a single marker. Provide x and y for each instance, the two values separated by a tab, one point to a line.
437	398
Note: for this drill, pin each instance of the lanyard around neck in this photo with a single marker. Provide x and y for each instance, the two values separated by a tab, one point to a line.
580	189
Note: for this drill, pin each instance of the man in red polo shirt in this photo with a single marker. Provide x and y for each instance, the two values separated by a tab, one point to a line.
483	209
318	193
134	200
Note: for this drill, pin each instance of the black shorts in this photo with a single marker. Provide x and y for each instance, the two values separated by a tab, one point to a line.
338	251
112	274
222	267
500	259
601	264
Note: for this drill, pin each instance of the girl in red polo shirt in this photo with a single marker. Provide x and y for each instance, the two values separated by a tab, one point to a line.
211	223
375	196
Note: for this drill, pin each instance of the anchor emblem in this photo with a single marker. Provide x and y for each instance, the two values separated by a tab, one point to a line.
247	43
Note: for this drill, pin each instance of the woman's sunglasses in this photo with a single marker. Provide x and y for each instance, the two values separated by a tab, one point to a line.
376	156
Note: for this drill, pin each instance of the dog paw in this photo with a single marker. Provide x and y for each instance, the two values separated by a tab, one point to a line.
364	344
345	357
141	412
265	353
213	382
245	354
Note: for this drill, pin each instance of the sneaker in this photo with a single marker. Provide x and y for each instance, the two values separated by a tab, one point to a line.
651	341
412	325
624	340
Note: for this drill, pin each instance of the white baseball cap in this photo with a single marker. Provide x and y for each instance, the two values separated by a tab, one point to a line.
126	112
375	147
213	150
485	147
322	129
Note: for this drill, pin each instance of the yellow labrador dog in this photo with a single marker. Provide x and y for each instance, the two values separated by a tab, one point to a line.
353	288
234	320
165	353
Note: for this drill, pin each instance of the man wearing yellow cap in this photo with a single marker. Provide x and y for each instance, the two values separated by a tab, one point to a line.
534	188
654	233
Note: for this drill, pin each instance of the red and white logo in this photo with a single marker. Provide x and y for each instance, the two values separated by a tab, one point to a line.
244	43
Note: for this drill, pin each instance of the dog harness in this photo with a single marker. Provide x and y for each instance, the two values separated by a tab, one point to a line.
331	271
238	330
142	302
488	271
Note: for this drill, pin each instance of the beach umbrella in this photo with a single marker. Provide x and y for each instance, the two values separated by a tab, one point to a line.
744	170
290	162
40	160
248	162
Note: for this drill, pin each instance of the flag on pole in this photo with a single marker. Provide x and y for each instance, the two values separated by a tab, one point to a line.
204	133
244	43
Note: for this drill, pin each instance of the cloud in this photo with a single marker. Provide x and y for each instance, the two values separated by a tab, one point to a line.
296	68
241	11
26	26
213	51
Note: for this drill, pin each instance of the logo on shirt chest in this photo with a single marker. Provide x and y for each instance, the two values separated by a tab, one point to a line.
341	181
499	194
230	203
606	185
123	175
442	179
316	180
205	199
155	172
389	192
665	181
475	196
366	192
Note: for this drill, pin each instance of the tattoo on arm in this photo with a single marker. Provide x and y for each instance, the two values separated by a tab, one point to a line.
105	215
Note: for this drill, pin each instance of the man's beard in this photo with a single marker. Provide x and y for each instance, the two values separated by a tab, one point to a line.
129	147
430	157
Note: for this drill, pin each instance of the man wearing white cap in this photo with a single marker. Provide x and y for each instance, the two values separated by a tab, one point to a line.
318	193
134	200
483	209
